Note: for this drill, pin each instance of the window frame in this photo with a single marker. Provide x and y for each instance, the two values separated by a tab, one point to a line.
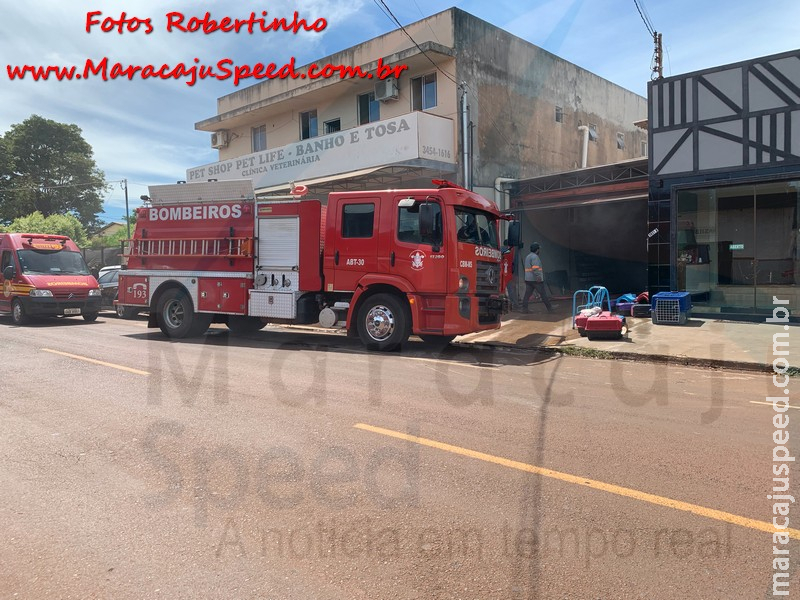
258	134
420	100
355	224
328	125
371	103
309	124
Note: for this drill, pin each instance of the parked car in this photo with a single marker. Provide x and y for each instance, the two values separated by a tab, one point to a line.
108	279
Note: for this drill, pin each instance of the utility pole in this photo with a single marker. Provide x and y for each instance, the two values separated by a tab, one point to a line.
127	214
658	57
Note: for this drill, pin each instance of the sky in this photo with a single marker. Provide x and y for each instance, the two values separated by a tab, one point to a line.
143	131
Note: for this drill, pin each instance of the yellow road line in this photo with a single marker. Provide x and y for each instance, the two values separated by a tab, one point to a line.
771	404
590	483
97	362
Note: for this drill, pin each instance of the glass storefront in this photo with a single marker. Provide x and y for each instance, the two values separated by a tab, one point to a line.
737	246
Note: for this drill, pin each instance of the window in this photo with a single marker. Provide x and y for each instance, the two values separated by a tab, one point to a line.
476	227
109	277
559	114
48	262
423	92
408	225
358	220
258	136
308	124
620	141
369	109
332	126
644	148
6	260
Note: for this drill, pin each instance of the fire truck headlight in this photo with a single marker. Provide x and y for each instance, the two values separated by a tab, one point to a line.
41	293
463	284
95	292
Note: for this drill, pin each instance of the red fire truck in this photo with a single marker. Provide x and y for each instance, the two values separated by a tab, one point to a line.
383	264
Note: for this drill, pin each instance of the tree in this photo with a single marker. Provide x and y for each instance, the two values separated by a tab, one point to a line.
48	167
115	239
56	224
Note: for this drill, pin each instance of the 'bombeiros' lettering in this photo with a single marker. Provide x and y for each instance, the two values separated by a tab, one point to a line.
196	213
487	252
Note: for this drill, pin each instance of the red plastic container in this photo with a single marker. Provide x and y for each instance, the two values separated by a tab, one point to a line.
605	326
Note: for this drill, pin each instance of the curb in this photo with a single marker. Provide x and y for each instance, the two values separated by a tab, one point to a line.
684	361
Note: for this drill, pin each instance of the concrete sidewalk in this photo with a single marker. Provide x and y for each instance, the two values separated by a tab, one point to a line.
707	342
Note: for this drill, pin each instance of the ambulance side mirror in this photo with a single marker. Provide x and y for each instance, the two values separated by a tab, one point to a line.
9	272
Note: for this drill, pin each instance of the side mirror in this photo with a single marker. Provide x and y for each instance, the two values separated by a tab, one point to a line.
513	234
9	272
426	221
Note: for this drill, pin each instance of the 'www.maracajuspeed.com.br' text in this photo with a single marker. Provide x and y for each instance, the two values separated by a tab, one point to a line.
222	70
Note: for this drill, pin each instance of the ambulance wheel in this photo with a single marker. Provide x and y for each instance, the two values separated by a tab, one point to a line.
176	316
90	317
240	324
18	314
383	322
438	342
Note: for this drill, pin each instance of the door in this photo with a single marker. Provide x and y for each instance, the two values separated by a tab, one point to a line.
7	259
355	249
419	260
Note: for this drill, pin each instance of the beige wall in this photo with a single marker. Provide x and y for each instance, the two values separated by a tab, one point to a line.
339	101
438	28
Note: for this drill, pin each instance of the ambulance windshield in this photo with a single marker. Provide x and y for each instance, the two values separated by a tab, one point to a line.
52	262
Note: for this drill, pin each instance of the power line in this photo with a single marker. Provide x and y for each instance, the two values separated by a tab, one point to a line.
645	20
388	12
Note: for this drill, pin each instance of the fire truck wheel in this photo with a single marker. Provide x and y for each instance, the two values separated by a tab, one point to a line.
383	322
18	315
90	317
240	324
176	316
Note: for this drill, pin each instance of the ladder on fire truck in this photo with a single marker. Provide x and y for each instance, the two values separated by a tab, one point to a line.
231	247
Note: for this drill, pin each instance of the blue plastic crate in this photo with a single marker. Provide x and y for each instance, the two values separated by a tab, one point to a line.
671	308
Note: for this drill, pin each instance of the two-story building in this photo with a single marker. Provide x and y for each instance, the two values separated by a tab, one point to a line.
476	105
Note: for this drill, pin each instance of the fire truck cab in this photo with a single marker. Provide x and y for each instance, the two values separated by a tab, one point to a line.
45	275
382	264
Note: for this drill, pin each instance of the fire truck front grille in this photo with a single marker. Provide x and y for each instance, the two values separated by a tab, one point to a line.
65	295
488	277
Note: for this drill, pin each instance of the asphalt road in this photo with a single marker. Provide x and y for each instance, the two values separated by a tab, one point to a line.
295	465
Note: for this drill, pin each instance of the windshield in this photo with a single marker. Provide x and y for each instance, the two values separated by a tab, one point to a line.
52	262
109	277
476	227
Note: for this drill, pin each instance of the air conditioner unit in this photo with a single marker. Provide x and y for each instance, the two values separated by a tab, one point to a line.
219	139
386	90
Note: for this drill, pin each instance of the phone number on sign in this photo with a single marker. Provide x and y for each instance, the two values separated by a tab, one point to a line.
433	151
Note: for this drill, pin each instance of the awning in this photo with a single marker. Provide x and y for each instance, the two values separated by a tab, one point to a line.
574	202
415	173
312	182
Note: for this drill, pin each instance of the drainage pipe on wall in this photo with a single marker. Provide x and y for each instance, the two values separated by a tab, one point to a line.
585	149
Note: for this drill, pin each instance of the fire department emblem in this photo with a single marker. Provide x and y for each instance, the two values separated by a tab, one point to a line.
416	260
7	288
